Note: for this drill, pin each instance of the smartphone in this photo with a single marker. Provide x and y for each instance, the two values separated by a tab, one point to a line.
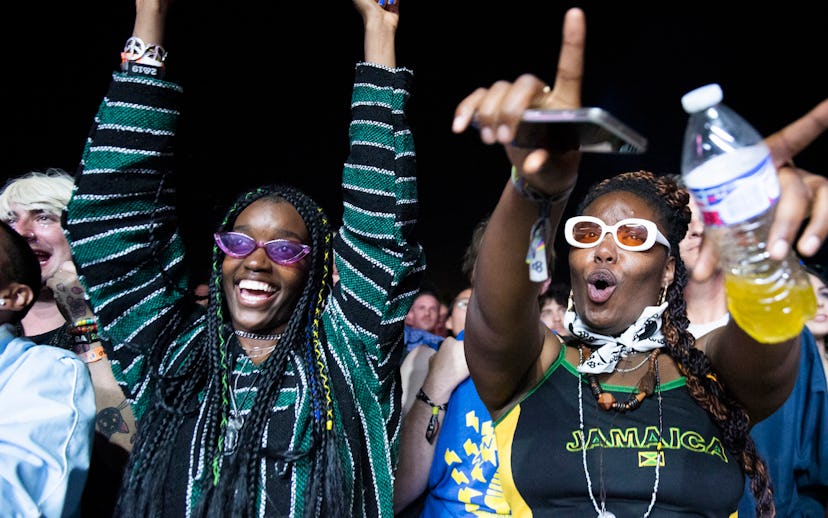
590	130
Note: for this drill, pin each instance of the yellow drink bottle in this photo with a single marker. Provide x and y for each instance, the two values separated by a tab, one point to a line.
770	310
729	171
770	300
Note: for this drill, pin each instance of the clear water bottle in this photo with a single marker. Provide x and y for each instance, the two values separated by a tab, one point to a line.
729	170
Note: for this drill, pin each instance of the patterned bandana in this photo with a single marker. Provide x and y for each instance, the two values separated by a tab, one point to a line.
643	336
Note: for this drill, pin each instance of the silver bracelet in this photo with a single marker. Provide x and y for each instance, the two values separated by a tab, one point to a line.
148	54
527	191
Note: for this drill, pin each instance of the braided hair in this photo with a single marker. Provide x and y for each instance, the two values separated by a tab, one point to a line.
671	203
229	485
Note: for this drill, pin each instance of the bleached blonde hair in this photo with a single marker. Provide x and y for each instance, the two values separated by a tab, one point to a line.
47	190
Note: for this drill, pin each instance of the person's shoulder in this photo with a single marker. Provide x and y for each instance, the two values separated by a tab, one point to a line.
29	371
415	336
47	358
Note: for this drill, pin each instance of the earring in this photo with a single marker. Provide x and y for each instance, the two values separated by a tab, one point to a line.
2	301
570	304
661	295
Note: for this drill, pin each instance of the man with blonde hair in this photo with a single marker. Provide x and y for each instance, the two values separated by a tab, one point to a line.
33	204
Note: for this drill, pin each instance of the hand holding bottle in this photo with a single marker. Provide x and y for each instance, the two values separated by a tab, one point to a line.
731	173
803	195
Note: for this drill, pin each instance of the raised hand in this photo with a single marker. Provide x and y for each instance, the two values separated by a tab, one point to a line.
497	110
380	18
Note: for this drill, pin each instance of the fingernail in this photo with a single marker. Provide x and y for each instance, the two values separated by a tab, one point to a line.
487	135
503	133
779	248
457	124
810	245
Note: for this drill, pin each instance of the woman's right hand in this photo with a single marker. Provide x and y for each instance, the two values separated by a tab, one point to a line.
497	111
448	364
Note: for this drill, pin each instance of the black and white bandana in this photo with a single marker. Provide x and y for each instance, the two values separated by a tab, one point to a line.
643	336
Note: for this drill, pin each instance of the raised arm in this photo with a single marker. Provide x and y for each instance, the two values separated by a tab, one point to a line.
150	16
446	369
120	221
503	335
377	257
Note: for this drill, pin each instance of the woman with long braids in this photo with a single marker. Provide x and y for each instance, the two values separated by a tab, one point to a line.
281	397
627	416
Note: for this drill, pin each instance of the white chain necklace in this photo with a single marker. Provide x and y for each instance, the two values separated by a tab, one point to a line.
631	369
602	510
259	352
235	420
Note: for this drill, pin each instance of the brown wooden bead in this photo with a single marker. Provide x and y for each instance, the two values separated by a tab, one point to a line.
606	400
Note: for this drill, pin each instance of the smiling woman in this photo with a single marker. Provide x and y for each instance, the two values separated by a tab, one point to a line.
279	397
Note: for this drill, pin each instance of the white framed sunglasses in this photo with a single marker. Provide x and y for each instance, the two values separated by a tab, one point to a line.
633	234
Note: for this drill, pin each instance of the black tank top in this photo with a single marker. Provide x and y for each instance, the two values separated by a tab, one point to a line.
541	453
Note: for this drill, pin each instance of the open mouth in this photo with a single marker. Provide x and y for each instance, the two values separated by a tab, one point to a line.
42	257
255	292
601	285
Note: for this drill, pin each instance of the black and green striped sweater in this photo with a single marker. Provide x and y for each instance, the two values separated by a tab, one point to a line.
122	227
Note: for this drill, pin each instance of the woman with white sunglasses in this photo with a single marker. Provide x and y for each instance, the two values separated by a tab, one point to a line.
626	417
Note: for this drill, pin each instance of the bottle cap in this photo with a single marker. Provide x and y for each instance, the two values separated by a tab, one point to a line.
702	98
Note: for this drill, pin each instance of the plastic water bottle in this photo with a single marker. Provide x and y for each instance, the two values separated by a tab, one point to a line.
729	171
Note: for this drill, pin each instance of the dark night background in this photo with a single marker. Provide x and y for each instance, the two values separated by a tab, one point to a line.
268	90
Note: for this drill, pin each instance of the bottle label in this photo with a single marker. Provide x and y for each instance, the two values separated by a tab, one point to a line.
742	196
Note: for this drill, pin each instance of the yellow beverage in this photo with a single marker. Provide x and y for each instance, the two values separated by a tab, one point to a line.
770	309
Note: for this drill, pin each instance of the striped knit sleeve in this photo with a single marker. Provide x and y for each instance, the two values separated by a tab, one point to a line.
380	266
121	221
379	263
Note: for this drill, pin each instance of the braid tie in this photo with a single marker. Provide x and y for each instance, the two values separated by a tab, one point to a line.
317	317
224	391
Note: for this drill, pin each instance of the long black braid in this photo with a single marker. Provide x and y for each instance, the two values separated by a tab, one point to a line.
230	484
176	396
671	204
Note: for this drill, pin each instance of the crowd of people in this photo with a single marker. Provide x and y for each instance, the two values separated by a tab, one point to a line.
316	372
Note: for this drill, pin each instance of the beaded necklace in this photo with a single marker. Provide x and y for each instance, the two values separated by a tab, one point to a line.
645	387
602	509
